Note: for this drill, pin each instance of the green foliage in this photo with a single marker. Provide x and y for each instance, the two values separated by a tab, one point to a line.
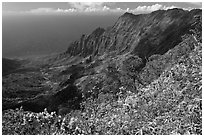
132	65
154	57
158	63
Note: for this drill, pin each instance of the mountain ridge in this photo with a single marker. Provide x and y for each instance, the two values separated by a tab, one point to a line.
129	32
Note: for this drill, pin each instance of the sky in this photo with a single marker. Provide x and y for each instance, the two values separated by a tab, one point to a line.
37	28
73	8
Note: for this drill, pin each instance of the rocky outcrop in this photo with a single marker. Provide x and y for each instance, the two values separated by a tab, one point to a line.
86	45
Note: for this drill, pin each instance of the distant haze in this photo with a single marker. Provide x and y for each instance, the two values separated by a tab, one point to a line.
24	36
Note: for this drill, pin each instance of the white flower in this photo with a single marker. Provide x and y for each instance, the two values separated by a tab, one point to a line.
122	88
72	120
120	102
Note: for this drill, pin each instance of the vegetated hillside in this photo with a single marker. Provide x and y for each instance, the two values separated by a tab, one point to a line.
153	85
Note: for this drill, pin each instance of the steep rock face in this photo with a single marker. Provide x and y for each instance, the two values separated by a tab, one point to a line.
165	32
144	34
86	45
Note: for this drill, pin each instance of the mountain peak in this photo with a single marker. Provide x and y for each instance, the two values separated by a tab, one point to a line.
175	9
128	15
98	31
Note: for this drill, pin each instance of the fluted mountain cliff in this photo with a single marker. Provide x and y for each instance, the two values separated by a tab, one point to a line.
143	34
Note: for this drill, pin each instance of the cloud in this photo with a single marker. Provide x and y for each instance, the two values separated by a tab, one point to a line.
97	8
65	10
42	10
149	8
81	6
152	8
76	7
